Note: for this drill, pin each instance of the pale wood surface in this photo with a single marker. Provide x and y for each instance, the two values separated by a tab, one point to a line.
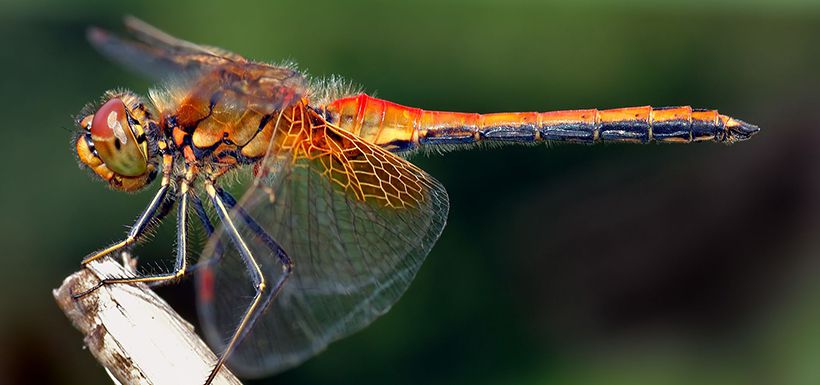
133	333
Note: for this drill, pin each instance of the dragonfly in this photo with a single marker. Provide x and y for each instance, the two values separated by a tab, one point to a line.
335	222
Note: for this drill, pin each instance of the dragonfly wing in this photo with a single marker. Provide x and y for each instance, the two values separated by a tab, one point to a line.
157	54
357	223
155	37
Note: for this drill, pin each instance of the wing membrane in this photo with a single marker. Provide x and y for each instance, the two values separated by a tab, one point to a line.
157	54
154	37
357	222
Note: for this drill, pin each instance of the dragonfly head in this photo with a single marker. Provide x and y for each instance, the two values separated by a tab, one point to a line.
114	141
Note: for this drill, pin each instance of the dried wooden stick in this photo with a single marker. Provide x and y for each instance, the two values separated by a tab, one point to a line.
133	333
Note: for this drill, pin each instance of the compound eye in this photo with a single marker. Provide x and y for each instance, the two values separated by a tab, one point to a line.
115	142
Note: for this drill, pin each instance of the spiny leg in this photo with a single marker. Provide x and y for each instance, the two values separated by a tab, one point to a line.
150	212
180	266
257	229
230	203
219	250
264	295
163	211
128	260
272	245
138	229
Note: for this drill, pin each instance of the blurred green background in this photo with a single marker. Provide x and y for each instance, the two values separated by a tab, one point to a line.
610	264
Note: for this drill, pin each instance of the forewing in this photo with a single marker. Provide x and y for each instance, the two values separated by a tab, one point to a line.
157	38
158	55
357	222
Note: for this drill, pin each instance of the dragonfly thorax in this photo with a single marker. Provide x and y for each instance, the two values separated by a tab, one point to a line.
115	141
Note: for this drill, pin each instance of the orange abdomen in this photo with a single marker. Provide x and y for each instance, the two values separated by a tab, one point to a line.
399	128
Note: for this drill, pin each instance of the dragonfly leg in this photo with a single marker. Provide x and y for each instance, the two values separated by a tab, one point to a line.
219	250
150	212
130	261
274	247
162	212
180	267
264	294
138	229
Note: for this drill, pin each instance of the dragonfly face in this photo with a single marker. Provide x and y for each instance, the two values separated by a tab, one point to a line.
115	144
